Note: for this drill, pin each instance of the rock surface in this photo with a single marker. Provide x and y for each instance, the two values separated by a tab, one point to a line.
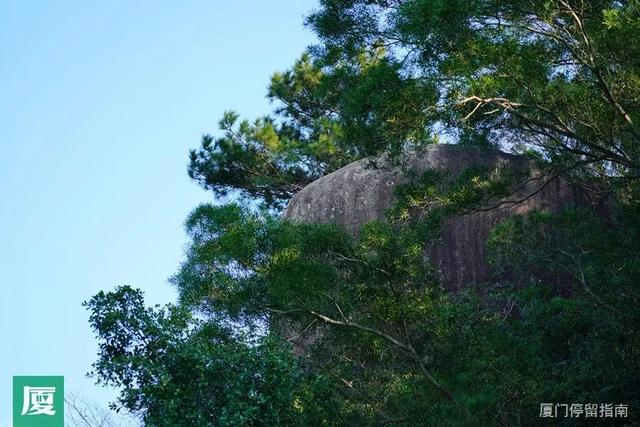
357	194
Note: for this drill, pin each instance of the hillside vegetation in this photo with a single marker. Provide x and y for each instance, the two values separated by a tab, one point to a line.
556	81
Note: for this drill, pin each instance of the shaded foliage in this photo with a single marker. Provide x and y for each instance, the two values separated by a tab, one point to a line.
376	328
389	334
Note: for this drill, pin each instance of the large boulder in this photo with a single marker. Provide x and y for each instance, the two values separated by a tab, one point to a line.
358	193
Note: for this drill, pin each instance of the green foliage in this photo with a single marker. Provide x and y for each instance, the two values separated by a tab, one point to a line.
177	371
558	76
597	258
430	198
377	340
582	323
386	333
374	325
325	118
264	160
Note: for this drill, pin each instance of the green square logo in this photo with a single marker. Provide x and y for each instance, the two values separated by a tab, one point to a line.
38	401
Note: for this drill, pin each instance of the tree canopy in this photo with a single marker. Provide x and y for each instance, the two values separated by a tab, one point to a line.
376	337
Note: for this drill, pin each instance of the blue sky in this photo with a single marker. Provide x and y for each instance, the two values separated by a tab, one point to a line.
99	104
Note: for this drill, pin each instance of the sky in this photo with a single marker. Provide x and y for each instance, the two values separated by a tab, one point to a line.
100	103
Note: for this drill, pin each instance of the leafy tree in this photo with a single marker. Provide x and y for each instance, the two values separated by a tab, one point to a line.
377	339
385	331
558	76
376	326
325	118
176	370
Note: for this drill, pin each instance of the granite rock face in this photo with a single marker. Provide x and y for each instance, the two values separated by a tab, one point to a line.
357	194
